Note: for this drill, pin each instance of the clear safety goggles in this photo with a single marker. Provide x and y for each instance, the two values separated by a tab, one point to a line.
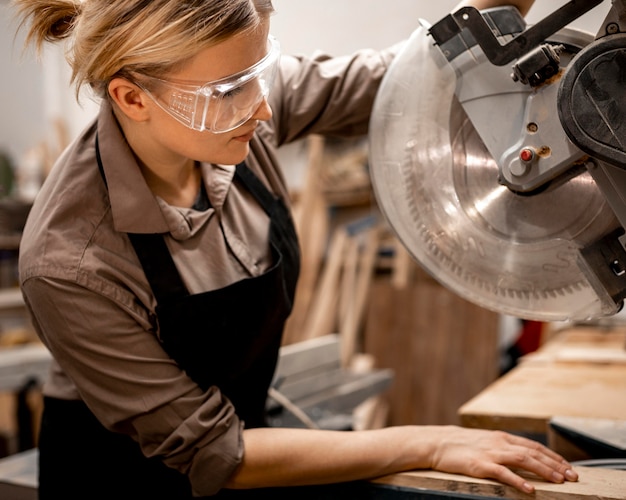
221	105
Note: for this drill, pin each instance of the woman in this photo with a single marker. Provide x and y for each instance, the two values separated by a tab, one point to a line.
159	262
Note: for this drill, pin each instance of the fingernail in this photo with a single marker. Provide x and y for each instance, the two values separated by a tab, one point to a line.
557	477
571	475
528	488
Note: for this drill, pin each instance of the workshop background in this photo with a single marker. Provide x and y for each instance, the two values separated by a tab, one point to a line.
357	280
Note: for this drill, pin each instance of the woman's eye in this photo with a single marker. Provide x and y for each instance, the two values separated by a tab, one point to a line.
234	92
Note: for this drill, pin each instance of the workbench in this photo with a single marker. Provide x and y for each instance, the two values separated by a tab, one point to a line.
575	382
580	372
18	482
553	381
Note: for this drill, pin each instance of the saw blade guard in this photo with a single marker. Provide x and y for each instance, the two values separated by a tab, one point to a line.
439	188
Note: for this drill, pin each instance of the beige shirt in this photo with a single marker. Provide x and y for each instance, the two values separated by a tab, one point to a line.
88	296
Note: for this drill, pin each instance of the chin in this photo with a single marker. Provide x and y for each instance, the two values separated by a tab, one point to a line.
234	155
228	152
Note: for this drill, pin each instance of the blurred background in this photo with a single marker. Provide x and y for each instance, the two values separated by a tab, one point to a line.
37	105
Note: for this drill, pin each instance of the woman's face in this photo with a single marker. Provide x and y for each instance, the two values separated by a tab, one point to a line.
172	140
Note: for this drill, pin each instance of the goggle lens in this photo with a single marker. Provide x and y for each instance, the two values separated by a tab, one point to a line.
222	105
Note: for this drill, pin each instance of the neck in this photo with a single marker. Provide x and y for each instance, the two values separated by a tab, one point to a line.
172	177
177	186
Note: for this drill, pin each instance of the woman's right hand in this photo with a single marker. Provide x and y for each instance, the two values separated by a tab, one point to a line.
493	455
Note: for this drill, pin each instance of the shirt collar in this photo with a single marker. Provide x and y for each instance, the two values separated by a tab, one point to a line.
134	208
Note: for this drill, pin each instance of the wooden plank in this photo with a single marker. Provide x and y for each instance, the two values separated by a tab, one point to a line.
529	395
322	315
311	220
594	483
582	345
443	349
403	267
358	290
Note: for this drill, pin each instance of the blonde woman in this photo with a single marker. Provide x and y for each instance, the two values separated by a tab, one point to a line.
159	263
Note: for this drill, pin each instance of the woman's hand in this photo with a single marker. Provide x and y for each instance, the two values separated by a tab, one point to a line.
492	454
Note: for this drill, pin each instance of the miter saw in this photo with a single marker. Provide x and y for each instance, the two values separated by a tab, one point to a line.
498	157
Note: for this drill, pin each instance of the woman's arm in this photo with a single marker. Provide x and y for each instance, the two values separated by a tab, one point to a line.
290	457
523	5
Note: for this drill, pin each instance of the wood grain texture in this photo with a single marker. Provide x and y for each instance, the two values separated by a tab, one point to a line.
544	386
443	349
594	483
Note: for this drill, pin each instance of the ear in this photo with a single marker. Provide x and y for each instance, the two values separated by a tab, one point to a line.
130	99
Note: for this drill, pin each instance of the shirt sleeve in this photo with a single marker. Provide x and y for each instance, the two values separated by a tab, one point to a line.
327	95
132	386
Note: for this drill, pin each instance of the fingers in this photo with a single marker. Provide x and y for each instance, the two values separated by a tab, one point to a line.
497	455
542	461
532	457
507	476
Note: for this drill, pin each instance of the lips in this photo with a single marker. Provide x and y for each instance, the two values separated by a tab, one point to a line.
245	137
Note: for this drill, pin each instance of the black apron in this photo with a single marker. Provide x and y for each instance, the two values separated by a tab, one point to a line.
228	338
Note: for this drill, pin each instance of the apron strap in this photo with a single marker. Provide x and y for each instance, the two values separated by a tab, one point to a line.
154	256
256	187
158	266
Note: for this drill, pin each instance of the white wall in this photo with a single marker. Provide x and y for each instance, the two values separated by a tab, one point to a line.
33	94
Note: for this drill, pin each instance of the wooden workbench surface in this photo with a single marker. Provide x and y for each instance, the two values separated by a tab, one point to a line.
579	373
594	483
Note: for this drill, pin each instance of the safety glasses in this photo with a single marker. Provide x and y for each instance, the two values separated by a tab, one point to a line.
221	105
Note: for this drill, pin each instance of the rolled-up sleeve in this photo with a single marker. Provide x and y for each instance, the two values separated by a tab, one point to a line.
102	340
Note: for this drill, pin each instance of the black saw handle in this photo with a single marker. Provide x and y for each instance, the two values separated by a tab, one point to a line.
497	53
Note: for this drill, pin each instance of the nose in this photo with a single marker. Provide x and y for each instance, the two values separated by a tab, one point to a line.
263	112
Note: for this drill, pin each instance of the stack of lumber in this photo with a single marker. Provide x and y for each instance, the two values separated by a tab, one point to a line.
360	282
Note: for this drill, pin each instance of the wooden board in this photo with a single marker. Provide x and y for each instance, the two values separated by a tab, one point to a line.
528	396
579	372
594	483
583	345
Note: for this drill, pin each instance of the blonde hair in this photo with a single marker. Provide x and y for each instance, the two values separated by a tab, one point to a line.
107	38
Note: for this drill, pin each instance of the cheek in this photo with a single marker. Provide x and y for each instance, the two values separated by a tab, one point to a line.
181	141
175	139
216	148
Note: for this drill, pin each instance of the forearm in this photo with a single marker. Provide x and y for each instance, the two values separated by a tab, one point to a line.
522	5
295	457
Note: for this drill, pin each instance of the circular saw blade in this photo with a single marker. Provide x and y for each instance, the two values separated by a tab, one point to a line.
437	185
